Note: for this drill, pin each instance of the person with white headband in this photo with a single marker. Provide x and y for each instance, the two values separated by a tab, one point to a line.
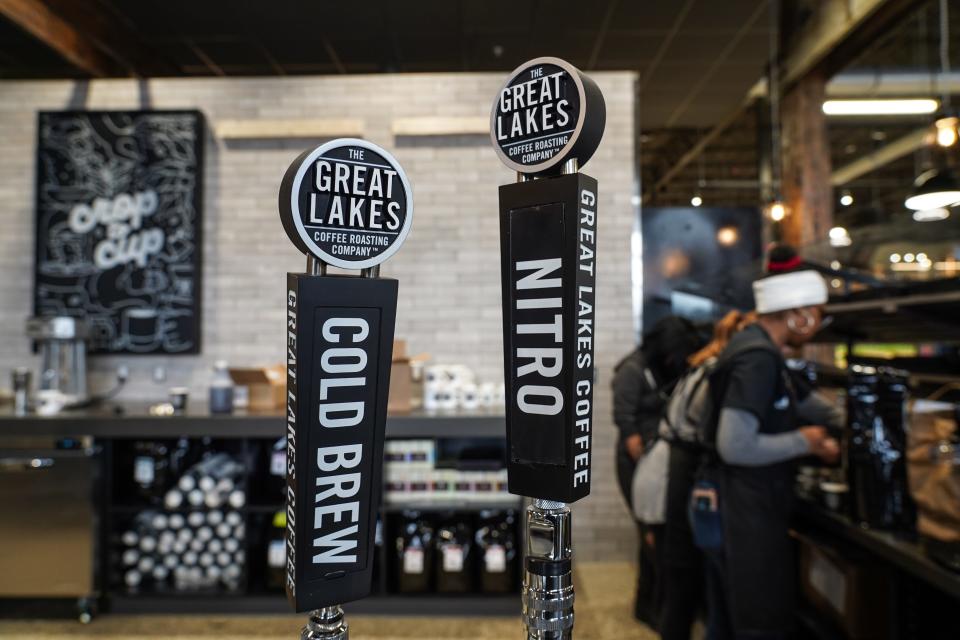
758	436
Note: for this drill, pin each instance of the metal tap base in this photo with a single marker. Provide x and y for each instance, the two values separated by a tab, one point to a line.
547	595
327	623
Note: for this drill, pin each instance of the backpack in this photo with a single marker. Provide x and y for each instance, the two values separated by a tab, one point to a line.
706	497
689	407
683	424
689	421
690	417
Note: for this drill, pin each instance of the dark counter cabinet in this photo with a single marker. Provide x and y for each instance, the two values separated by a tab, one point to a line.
191	510
903	594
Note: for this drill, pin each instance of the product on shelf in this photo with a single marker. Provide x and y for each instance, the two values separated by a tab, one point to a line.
496	542
448	387
413	547
161	550
211	482
454	554
221	389
151	470
278	469
410	477
877	448
276	552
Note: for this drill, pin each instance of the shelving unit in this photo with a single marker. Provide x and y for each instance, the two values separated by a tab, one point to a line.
914	312
249	435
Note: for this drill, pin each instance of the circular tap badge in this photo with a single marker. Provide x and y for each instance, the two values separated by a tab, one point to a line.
347	202
546	113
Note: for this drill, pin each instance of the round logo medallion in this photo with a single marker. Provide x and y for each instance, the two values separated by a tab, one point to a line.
546	113
347	203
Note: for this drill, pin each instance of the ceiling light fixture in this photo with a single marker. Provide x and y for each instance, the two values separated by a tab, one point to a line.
846	199
771	190
888	107
840	237
938	188
728	236
696	201
894	258
777	211
931	215
934	189
946	131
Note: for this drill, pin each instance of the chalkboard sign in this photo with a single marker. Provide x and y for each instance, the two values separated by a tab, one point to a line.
119	223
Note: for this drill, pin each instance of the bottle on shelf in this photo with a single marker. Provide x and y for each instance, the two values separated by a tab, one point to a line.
277	483
221	389
497	551
151	470
132	579
276	552
414	553
454	555
173	499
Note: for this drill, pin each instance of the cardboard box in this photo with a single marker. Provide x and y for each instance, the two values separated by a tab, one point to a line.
406	392
266	386
846	588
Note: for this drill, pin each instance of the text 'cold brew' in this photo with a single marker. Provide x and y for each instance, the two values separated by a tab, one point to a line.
346	203
546	114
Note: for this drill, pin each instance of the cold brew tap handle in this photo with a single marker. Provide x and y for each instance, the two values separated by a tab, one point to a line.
346	203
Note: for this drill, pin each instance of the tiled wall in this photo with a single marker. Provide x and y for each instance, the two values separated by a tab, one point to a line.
448	268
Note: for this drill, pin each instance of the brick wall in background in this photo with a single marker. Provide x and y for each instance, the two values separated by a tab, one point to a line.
448	269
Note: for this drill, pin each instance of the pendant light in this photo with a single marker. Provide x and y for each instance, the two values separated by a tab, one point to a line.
938	188
697	198
775	208
934	189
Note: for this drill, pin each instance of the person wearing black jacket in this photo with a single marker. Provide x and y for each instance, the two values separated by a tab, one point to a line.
760	431
642	385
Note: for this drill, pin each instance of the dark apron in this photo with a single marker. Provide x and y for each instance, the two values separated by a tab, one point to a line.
758	564
759	555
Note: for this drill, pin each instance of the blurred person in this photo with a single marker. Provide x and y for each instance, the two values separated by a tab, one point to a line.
642	384
751	578
683	564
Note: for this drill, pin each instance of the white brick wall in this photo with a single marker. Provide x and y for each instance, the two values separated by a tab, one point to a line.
448	269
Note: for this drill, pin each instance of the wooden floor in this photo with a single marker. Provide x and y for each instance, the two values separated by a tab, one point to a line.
604	605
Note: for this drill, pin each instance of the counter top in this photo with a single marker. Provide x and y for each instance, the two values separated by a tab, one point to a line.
130	420
902	552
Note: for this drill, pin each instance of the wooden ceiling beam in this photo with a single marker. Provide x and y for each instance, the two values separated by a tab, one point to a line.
36	17
824	40
91	36
837	32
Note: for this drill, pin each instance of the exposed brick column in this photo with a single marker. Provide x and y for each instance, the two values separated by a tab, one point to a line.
806	185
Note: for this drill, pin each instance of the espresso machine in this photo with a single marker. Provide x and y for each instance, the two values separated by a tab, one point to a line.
62	344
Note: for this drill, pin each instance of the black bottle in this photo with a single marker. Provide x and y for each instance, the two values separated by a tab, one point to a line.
277	480
414	553
497	551
892	405
454	555
151	469
276	552
877	467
